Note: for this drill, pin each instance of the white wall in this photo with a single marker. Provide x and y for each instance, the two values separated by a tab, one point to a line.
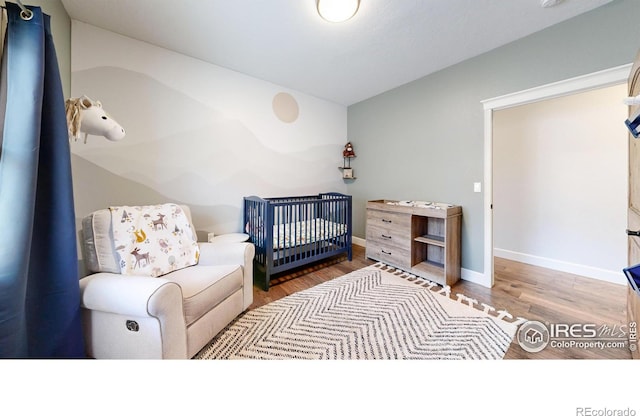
197	133
560	183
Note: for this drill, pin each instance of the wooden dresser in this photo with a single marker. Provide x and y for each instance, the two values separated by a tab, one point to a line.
423	240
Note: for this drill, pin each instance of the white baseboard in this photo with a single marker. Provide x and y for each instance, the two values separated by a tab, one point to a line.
359	241
563	266
474	277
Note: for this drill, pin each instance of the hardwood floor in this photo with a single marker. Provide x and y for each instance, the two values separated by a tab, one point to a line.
523	290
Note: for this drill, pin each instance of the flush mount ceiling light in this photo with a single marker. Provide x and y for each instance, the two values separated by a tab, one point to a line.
337	11
549	3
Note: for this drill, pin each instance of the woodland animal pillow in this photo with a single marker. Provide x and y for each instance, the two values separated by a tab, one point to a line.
153	240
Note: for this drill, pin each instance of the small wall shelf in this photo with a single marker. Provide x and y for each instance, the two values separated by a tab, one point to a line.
346	177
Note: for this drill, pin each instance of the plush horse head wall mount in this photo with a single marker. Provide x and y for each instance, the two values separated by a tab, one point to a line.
87	116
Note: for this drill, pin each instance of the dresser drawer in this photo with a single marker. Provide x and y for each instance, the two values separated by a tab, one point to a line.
389	236
384	219
394	256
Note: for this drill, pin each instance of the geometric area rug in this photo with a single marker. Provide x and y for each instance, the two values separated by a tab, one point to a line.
374	313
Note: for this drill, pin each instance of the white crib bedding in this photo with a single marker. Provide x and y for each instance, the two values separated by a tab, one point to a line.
305	232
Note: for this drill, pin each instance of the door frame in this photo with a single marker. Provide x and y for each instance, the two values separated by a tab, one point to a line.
595	80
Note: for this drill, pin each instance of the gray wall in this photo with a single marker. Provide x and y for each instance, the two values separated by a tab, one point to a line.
424	140
61	30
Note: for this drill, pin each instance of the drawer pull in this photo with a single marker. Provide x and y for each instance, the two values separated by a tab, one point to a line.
388	237
387	221
386	252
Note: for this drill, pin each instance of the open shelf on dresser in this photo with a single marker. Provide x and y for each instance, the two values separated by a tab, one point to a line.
431	239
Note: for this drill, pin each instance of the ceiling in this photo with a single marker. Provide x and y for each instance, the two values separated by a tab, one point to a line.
388	43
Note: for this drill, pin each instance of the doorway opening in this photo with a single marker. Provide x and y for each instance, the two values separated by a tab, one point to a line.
598	80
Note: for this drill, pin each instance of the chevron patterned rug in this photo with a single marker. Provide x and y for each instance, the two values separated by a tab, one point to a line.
373	313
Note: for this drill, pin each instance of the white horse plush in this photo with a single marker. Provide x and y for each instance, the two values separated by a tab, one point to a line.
87	116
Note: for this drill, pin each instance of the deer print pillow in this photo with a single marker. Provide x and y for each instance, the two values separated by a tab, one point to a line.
153	240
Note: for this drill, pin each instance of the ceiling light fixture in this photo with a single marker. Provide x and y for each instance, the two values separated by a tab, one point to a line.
549	3
336	11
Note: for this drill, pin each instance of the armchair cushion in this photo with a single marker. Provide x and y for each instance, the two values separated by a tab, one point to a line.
98	249
205	287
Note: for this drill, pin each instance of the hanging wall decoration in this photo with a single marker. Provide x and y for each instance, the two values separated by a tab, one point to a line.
87	116
347	154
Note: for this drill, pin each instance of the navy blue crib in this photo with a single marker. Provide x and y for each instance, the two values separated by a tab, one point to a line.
294	231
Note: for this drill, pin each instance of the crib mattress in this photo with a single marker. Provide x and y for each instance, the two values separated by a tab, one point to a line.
305	232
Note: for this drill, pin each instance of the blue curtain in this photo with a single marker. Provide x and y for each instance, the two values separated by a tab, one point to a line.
39	291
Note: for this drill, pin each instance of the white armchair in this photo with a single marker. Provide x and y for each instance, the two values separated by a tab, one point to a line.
172	316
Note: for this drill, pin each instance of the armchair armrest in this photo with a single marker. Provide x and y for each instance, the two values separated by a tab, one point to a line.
127	295
140	297
212	254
